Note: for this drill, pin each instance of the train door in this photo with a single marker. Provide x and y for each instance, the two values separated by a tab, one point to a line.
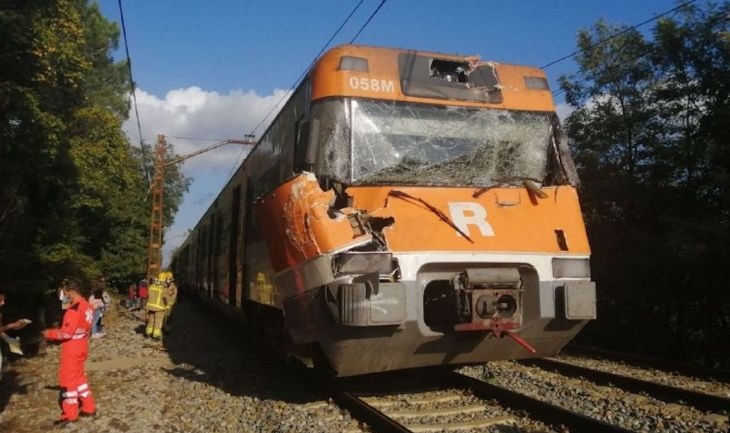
247	239
233	245
217	256
210	257
199	260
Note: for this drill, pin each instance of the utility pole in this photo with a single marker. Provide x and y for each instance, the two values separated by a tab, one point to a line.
154	251
154	254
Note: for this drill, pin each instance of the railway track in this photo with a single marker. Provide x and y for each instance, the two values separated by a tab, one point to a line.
656	390
455	402
649	362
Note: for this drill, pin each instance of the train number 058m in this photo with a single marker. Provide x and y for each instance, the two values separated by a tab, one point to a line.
371	84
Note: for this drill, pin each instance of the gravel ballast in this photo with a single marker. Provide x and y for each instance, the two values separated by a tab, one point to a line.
203	378
613	405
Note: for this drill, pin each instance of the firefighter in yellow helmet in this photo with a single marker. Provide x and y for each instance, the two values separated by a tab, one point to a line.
156	306
170	293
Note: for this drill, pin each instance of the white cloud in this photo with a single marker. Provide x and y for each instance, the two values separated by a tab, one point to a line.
563	110
194	112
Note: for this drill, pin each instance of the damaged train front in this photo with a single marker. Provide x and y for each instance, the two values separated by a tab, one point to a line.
417	235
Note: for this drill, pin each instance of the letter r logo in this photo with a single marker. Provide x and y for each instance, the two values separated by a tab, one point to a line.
467	213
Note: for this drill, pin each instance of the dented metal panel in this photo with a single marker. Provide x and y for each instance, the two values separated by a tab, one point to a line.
299	223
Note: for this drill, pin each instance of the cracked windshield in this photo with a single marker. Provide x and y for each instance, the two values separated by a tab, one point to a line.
457	146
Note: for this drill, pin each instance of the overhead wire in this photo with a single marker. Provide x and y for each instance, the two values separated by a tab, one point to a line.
375	12
299	78
622	32
131	79
289	91
617	66
180	137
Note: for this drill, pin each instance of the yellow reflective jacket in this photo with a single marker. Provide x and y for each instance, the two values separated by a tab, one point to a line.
155	301
171	295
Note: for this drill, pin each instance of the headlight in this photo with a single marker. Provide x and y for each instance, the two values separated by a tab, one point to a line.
571	268
365	263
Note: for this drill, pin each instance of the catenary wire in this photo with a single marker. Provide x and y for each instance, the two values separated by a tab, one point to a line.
324	47
602	41
631	61
131	79
299	78
180	137
375	12
617	66
624	31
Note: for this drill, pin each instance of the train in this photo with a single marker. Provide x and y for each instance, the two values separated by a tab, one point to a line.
404	209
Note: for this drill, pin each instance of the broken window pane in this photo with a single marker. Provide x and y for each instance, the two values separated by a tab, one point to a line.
333	156
384	142
417	144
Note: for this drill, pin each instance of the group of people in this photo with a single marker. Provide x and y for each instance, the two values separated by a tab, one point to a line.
80	322
99	301
157	299
137	295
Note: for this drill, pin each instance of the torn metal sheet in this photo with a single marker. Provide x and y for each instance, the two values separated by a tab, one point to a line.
299	222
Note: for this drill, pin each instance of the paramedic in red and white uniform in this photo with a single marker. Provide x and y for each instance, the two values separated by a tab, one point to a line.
74	338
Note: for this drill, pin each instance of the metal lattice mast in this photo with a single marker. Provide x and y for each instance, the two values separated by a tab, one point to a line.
154	262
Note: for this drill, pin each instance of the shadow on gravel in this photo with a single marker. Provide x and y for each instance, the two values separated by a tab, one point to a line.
211	349
9	386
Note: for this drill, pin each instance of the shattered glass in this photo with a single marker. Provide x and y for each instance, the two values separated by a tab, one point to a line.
385	142
398	143
333	141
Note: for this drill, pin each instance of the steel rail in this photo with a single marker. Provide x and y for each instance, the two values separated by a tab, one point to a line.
660	391
537	409
364	412
646	361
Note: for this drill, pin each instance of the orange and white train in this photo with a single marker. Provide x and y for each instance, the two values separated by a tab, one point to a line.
404	209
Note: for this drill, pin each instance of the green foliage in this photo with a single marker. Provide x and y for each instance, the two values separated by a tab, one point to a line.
651	143
72	200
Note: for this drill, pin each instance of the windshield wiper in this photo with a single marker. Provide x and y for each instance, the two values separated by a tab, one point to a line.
530	183
413	200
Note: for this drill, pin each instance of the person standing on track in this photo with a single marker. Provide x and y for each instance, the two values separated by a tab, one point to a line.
74	338
171	297
97	303
131	296
156	306
143	294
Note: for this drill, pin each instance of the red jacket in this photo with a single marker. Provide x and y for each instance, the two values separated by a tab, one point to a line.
74	337
76	323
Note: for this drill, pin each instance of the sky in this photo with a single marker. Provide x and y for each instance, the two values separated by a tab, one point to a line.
215	68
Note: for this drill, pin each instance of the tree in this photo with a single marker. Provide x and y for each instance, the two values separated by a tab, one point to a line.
72	200
651	144
41	72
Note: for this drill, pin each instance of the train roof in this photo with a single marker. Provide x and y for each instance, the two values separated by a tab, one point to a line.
428	77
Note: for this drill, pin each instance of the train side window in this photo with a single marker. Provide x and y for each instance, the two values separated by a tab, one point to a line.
305	145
